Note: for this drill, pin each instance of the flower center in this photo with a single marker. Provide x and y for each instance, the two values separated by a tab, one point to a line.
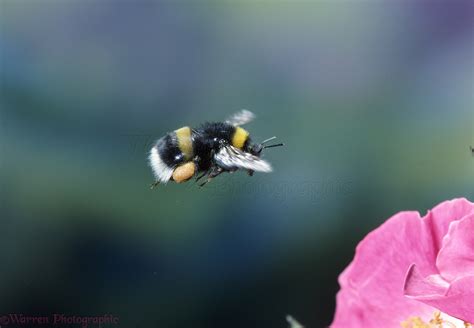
436	322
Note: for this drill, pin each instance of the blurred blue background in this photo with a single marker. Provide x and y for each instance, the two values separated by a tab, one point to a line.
373	99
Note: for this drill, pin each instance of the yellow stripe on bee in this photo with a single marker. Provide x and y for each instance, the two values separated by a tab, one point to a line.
240	137
185	143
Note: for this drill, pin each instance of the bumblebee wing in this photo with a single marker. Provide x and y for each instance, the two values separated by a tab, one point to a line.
231	158
241	118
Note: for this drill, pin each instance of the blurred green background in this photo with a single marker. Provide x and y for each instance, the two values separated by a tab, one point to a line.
373	99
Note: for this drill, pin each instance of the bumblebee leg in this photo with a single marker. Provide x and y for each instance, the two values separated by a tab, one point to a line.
250	173
201	176
154	184
214	173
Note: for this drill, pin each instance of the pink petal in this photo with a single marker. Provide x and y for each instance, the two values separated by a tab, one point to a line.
372	292
455	299
372	286
416	284
443	214
456	257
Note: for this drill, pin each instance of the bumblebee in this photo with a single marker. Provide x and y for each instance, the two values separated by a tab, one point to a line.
210	150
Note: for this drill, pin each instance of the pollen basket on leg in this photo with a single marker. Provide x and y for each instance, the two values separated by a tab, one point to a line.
239	138
184	172
185	142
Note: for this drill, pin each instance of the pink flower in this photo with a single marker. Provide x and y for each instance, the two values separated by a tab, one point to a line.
412	270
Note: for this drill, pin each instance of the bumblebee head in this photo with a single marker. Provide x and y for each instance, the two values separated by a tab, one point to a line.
256	149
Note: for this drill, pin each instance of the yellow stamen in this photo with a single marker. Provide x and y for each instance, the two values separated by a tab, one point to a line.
436	322
437	319
415	322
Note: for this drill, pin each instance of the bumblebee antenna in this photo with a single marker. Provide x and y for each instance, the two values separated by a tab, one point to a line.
271	146
257	148
276	145
267	140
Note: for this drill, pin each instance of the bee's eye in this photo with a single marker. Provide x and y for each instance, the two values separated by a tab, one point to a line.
215	139
256	149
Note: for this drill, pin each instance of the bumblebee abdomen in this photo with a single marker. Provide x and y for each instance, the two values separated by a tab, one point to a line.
176	147
171	150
